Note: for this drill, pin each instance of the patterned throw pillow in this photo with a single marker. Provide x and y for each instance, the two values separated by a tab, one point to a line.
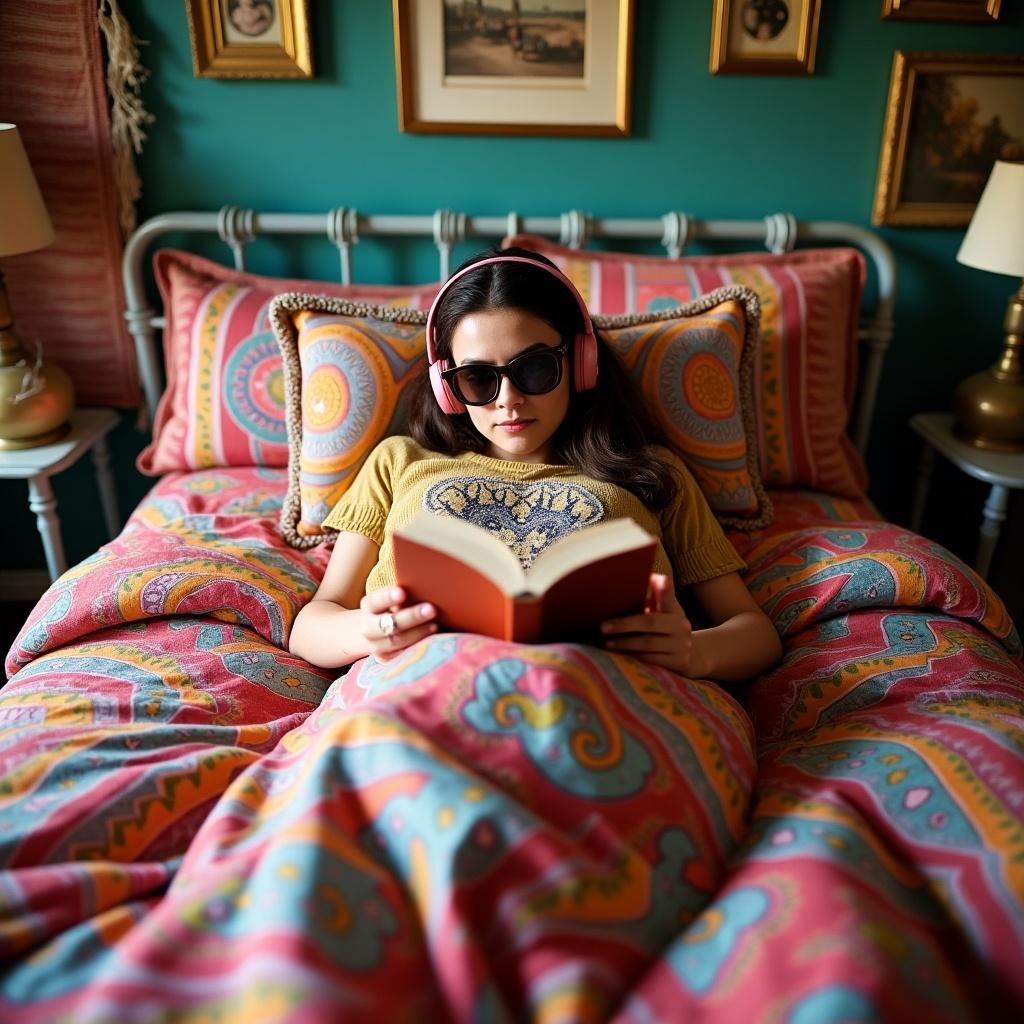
348	366
224	400
694	365
347	370
805	377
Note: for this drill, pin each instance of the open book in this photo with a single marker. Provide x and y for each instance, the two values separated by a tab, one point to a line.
478	586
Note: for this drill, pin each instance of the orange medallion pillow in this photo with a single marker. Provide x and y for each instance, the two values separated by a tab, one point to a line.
348	367
347	371
694	366
805	376
224	402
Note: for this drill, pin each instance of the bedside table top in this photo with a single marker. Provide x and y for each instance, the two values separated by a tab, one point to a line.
1004	468
87	426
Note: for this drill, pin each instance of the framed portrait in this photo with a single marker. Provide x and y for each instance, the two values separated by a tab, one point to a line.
949	117
764	37
514	67
250	38
941	10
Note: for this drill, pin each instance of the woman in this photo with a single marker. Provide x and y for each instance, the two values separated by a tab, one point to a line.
521	396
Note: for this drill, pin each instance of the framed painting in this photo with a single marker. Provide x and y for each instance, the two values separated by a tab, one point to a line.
764	37
250	38
949	117
514	67
941	10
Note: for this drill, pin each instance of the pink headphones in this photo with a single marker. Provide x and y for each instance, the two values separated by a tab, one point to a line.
584	353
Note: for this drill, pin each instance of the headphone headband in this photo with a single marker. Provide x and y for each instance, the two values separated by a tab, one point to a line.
554	271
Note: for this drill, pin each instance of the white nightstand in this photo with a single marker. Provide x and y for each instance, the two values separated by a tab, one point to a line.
89	429
1003	470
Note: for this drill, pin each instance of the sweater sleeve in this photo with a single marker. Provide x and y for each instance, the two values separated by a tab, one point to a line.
696	544
364	507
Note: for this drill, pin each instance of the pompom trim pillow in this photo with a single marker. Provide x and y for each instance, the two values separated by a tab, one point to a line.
805	377
223	404
694	364
347	368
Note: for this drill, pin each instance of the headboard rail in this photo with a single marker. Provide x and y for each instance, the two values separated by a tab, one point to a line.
675	230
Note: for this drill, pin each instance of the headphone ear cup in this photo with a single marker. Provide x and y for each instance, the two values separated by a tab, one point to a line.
584	362
448	403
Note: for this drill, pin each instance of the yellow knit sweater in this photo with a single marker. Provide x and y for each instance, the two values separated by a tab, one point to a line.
527	505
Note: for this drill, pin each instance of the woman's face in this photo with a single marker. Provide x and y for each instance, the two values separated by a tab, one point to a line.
517	427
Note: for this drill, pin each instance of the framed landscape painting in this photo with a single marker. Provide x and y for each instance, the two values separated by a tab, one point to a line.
949	117
764	37
941	10
250	38
514	67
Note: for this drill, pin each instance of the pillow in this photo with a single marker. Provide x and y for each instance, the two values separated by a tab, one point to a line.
805	378
694	364
347	368
224	400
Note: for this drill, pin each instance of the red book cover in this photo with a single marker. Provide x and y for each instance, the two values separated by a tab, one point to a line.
478	586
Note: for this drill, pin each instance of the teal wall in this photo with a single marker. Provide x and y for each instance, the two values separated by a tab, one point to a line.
714	146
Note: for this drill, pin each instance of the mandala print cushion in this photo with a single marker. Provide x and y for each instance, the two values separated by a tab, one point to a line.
694	365
347	369
805	376
224	404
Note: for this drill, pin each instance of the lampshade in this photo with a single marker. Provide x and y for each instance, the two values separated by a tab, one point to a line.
995	236
24	223
35	396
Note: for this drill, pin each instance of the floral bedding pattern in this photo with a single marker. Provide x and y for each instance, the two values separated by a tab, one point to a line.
196	825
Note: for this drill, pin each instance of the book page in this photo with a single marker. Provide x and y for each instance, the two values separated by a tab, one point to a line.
469	543
583	547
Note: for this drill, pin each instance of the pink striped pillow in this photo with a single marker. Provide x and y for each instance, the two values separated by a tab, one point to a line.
224	404
805	376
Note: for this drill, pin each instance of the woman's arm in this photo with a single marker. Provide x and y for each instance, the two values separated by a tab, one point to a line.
741	643
341	622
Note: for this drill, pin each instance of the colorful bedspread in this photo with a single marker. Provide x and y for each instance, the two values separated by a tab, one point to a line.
195	825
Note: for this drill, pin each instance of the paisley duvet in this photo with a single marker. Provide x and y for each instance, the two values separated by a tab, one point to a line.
197	826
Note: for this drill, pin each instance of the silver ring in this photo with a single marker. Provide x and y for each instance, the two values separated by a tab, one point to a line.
386	624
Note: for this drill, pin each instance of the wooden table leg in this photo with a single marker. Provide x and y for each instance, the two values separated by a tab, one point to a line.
988	536
42	501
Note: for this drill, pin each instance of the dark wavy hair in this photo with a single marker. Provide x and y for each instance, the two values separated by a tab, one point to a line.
607	433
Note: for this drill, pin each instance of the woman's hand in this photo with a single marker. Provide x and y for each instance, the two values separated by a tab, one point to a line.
662	634
388	627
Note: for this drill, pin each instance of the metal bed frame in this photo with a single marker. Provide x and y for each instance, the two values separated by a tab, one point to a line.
344	226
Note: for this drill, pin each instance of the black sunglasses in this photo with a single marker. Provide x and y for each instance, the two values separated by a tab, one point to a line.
532	373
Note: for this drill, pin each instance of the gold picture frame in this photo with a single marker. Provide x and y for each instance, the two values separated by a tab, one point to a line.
250	38
764	37
941	10
470	69
949	116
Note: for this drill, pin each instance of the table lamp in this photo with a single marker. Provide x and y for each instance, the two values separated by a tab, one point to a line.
989	406
35	398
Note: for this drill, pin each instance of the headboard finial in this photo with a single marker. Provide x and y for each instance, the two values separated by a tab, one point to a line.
343	231
577	226
678	231
237	227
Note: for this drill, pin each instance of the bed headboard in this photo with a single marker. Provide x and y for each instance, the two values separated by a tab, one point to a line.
343	226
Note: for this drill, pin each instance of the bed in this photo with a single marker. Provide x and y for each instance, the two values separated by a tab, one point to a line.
196	825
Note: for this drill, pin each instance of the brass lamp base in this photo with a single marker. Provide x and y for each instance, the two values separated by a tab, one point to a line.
35	398
990	412
989	406
36	440
34	405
